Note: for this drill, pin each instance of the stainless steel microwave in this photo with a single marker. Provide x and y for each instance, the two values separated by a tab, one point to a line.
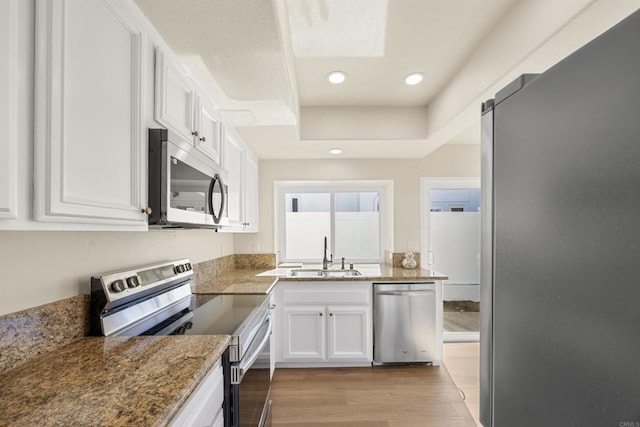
184	190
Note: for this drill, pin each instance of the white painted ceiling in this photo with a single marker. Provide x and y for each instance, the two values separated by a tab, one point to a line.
266	61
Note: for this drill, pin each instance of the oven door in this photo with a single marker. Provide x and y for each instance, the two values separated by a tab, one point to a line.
251	383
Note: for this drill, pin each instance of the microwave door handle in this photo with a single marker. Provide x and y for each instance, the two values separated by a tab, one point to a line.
210	199
216	215
223	199
237	372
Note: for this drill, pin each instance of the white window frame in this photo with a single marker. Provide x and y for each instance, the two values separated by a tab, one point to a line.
331	187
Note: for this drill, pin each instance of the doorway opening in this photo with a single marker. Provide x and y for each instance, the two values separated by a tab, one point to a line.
451	240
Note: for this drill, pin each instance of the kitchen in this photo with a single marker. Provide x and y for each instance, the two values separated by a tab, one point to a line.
42	263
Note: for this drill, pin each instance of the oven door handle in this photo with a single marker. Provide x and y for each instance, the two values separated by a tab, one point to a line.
237	372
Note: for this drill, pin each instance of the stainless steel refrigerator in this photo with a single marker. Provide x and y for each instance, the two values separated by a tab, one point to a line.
560	316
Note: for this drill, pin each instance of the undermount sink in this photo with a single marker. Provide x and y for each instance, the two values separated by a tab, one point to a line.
308	272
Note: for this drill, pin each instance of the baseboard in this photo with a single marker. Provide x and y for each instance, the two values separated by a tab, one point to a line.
460	336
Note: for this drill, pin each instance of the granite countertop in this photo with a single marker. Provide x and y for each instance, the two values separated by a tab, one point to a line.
239	281
261	282
141	381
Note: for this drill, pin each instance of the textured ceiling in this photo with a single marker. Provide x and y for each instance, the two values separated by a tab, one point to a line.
267	61
432	37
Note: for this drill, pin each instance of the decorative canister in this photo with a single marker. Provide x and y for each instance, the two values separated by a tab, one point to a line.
409	261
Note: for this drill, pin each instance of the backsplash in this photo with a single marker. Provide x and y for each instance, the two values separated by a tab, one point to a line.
255	261
397	257
29	333
204	271
211	268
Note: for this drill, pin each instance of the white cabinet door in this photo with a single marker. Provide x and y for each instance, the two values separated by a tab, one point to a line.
88	109
349	334
251	192
184	112
208	130
303	334
8	109
233	163
204	406
325	322
175	98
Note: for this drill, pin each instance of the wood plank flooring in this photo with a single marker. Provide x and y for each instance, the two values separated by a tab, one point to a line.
461	321
405	396
463	363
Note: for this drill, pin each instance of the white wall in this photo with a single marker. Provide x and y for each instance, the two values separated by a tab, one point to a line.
447	161
38	267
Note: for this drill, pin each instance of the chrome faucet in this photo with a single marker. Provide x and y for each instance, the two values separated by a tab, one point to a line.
325	261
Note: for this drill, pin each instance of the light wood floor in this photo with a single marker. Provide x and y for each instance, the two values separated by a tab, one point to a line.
407	396
461	321
462	362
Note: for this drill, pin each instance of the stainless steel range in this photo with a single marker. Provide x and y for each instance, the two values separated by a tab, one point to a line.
157	300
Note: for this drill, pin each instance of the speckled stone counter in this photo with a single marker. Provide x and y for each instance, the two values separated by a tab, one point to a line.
238	281
140	381
261	282
30	333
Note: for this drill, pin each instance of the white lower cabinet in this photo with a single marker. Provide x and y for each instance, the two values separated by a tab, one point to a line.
348	333
304	336
325	323
204	406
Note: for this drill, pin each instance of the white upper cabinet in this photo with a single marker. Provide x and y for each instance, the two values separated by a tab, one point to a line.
89	151
233	163
175	97
8	109
250	192
241	167
183	110
209	130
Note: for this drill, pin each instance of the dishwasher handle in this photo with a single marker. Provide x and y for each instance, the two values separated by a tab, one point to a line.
406	293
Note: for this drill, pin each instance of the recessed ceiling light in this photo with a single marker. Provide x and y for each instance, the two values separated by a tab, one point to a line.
336	77
335	151
414	78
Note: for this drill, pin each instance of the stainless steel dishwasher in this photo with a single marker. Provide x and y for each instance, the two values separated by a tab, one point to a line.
404	322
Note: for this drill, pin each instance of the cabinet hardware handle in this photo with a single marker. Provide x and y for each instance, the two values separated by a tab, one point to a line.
320	314
147	210
195	133
203	139
331	314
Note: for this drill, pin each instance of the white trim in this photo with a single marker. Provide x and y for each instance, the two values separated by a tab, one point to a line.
470	336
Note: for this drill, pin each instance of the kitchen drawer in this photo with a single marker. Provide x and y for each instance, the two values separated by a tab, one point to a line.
341	293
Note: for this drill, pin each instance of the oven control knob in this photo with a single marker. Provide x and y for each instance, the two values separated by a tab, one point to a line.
188	325
188	266
118	286
133	281
179	269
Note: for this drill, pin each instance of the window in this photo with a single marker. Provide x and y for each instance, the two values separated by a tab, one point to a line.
350	218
